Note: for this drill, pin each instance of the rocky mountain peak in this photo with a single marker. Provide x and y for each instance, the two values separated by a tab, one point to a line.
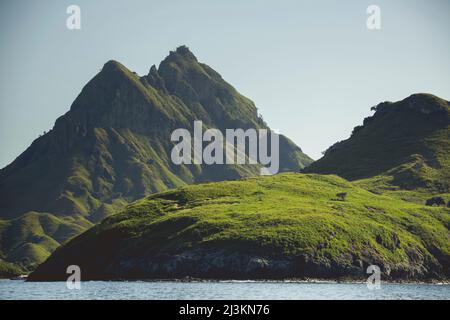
182	52
422	103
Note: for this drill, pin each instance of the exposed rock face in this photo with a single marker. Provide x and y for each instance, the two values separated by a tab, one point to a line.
223	264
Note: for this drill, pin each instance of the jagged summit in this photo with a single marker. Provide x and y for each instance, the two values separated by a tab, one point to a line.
182	52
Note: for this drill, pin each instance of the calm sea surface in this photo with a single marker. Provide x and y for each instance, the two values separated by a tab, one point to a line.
228	290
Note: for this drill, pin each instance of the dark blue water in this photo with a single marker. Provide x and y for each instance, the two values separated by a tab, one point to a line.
10	289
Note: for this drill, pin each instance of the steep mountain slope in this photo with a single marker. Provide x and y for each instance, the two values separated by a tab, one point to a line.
404	144
113	146
283	226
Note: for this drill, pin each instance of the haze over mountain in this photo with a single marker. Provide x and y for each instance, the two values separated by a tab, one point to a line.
113	147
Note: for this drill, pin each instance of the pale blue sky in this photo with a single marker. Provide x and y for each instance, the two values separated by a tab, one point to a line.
312	67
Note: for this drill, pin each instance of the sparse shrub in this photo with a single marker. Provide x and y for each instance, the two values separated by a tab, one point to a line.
341	196
438	201
259	195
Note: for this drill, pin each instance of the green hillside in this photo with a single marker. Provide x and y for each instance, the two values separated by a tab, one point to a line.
8	269
284	226
404	145
28	240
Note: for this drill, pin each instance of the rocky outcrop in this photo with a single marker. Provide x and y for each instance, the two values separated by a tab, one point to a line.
223	264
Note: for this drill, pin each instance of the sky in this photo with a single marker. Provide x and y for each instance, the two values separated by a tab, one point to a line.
313	68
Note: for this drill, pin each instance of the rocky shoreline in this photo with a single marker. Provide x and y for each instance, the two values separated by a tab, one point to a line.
198	265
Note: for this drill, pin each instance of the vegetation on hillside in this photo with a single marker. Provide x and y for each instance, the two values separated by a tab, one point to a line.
283	226
9	270
404	145
28	240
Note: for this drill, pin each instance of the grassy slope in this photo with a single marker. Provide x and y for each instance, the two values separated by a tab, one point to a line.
28	240
8	270
279	217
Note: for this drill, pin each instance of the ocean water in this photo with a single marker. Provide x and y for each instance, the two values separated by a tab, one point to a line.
227	290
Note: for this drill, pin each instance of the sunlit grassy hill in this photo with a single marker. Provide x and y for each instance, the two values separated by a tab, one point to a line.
283	226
